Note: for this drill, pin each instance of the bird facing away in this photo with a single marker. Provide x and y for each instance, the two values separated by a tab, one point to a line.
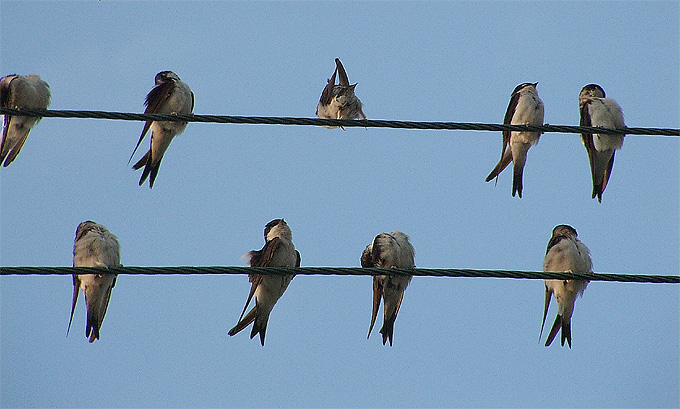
391	250
94	246
169	96
20	91
597	110
525	108
339	101
565	253
278	251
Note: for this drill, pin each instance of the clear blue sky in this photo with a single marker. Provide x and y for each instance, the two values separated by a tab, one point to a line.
457	342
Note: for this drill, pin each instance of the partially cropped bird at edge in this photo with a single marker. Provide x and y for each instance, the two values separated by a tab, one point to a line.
20	91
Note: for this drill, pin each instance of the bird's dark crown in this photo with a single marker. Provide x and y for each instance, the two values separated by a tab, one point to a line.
164	76
564	230
271	225
524	85
594	87
85	227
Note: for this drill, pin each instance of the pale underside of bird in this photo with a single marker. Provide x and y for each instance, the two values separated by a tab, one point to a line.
525	108
278	251
388	250
598	111
338	101
20	91
565	253
170	95
94	246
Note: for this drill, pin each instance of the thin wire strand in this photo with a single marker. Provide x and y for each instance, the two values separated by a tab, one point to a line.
344	271
262	120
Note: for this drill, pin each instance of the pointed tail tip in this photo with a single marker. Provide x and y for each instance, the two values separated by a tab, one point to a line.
517	189
94	336
386	335
557	325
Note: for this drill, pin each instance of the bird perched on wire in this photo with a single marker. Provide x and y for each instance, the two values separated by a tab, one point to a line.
278	251
169	96
339	101
565	253
388	250
20	91
525	108
94	246
597	110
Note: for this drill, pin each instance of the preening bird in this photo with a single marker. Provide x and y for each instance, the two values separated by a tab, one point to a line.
94	246
338	101
388	250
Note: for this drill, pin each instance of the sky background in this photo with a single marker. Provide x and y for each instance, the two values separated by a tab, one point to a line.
458	342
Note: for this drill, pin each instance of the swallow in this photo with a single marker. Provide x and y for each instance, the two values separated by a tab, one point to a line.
597	110
525	108
20	91
278	251
94	246
565	253
339	101
388	250
169	96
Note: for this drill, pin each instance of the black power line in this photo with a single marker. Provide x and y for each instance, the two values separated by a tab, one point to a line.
264	120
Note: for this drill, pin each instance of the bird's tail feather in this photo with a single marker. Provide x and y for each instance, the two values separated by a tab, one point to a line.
259	326
517	180
16	148
250	317
76	289
548	295
566	331
377	296
502	164
553	331
142	161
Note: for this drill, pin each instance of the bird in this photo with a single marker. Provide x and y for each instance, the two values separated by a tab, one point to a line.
565	253
20	91
339	101
278	251
94	246
170	95
525	108
599	111
388	250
